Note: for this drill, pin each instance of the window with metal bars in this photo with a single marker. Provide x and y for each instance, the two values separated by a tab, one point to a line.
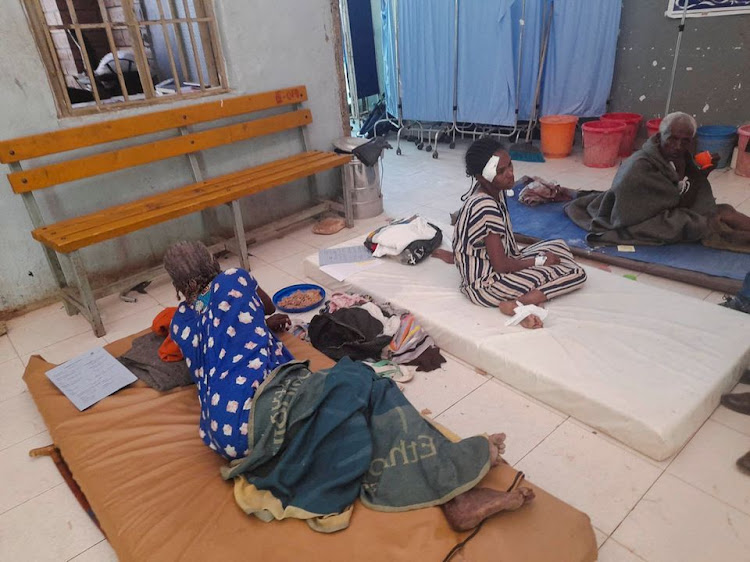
110	54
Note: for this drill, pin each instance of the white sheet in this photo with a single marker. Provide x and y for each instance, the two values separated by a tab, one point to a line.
644	365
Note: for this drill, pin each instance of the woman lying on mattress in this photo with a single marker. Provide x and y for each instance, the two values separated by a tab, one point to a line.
494	271
228	344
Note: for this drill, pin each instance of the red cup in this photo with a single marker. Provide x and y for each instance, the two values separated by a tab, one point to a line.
703	159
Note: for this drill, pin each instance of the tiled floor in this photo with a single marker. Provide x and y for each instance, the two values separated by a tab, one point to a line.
693	507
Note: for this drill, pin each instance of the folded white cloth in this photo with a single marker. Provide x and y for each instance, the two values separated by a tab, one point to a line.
525	310
393	239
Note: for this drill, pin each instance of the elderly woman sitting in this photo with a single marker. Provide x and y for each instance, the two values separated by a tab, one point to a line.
228	344
660	196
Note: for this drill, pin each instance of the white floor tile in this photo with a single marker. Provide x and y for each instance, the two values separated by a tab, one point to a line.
613	551
271	278
67	349
11	383
131	324
162	291
591	474
708	463
24	477
43	327
19	420
313	241
493	408
112	307
7	352
730	418
278	249
293	264
601	537
51	526
100	552
440	389
715	297
676	522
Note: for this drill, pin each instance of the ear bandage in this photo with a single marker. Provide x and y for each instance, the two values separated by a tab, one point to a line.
490	169
525	310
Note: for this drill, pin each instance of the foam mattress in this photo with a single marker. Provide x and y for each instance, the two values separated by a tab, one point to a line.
644	365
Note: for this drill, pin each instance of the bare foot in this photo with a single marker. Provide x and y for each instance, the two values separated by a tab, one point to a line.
532	322
469	509
443	255
497	448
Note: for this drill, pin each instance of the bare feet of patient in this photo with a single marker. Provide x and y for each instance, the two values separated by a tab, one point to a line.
532	322
468	510
497	448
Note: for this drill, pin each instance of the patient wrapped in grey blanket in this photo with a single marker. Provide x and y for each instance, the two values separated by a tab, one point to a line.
647	204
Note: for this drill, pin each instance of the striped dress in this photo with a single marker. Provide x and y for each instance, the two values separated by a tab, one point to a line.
482	215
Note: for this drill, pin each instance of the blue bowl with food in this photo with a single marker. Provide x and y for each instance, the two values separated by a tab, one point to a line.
299	298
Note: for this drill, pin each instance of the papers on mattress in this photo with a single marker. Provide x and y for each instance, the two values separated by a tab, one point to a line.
90	377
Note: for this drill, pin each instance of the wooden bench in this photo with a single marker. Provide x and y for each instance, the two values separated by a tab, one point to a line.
67	237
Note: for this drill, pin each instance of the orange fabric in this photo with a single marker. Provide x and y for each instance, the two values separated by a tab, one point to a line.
157	492
169	352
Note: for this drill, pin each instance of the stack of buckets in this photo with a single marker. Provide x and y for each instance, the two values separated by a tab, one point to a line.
610	138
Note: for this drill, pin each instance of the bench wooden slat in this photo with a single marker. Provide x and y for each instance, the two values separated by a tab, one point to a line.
34	146
191	199
78	224
54	174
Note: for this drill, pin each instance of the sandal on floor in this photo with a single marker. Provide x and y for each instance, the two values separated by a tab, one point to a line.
391	370
739	402
743	463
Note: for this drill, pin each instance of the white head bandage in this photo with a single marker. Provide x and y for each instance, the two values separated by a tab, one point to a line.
490	169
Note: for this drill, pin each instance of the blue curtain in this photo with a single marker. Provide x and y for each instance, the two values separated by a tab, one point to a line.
581	57
389	58
486	66
532	37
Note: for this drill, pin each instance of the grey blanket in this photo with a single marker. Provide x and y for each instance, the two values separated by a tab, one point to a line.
644	204
143	361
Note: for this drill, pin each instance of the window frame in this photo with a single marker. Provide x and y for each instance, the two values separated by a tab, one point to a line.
213	55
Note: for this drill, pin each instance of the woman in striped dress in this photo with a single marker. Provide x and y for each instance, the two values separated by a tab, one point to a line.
494	271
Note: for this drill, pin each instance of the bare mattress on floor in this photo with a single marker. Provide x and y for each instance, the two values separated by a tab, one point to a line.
644	365
158	495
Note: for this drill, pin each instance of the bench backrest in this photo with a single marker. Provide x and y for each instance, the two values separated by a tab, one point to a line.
13	151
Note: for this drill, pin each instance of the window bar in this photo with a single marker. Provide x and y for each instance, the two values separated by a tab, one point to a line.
196	56
173	66
84	53
208	5
113	50
208	44
39	21
179	40
144	70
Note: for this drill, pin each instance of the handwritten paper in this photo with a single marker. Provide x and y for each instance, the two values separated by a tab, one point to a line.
90	377
344	254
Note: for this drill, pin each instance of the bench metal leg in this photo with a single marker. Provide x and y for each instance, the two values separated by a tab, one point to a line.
60	279
239	231
87	295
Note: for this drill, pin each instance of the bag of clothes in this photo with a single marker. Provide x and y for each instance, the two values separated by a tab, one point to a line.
411	240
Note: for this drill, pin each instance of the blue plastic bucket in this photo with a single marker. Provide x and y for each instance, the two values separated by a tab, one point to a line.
720	139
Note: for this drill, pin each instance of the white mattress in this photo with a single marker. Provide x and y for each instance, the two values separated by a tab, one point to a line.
644	365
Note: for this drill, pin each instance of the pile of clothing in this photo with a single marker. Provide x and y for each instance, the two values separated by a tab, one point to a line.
410	240
353	325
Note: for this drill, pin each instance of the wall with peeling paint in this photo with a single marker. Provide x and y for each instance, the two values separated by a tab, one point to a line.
713	72
267	45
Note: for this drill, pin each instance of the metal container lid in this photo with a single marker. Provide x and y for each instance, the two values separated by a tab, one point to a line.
347	144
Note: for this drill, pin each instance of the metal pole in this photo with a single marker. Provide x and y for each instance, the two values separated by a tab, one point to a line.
352	78
398	63
681	28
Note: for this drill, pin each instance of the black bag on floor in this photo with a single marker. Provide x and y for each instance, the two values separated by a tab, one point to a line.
414	252
349	332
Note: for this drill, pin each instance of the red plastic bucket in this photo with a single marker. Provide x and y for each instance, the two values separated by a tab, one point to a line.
652	126
742	167
632	121
601	142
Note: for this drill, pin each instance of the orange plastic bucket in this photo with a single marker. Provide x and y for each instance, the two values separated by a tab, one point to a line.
601	143
652	126
632	122
558	132
742	167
